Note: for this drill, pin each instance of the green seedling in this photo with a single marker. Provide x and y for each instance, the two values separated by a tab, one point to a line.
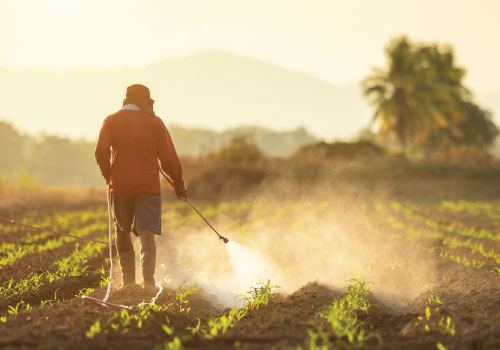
124	320
341	320
181	297
440	346
434	300
85	291
355	294
447	325
255	298
94	330
14	310
258	296
195	330
167	329
43	303
444	324
174	344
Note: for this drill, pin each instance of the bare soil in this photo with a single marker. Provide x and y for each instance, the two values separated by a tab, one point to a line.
470	297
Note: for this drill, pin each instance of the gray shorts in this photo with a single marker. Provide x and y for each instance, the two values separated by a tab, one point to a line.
137	212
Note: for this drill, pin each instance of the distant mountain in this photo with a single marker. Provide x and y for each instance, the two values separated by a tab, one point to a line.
210	89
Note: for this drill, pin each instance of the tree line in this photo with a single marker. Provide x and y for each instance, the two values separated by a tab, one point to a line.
420	100
55	160
46	159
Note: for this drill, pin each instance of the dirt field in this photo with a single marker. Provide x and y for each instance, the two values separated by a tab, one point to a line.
433	272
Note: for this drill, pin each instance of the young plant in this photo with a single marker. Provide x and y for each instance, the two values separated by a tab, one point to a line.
430	318
14	310
341	320
255	298
181	297
85	291
176	343
94	330
434	300
258	296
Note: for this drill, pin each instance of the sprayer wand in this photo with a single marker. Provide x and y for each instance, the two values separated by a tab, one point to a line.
224	239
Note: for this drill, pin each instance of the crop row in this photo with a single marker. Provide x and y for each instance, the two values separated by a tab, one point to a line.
56	222
474	209
451	227
446	240
11	252
126	321
453	242
73	265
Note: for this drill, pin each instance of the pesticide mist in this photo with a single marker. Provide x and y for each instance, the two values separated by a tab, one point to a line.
247	264
330	241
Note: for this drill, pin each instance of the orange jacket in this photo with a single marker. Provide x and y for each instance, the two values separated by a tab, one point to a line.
128	149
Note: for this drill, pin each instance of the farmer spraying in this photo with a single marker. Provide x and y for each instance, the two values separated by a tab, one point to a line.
131	142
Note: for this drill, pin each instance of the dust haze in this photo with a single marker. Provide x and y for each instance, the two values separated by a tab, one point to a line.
292	240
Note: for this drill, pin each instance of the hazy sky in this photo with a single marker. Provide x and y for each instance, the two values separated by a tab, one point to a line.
336	40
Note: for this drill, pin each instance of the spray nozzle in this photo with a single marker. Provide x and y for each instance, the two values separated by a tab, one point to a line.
224	239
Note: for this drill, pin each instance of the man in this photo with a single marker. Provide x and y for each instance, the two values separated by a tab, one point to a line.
130	144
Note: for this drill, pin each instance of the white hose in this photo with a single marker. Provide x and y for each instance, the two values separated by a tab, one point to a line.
104	302
110	232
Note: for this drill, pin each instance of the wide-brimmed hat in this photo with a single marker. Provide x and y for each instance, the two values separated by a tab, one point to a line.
138	92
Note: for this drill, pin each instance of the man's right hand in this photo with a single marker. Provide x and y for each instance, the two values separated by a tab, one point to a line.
181	192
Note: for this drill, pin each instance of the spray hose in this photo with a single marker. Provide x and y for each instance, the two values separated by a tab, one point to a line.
104	302
13	222
110	237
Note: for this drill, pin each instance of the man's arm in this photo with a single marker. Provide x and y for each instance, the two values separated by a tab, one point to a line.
102	150
169	161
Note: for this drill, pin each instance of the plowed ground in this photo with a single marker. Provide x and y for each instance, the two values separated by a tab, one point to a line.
464	277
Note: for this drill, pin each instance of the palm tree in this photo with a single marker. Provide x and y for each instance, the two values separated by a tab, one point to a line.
419	93
391	91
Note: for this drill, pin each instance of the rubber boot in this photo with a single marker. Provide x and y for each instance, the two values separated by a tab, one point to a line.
148	264
127	262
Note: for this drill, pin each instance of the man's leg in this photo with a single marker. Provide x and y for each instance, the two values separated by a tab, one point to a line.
126	255
123	213
148	258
